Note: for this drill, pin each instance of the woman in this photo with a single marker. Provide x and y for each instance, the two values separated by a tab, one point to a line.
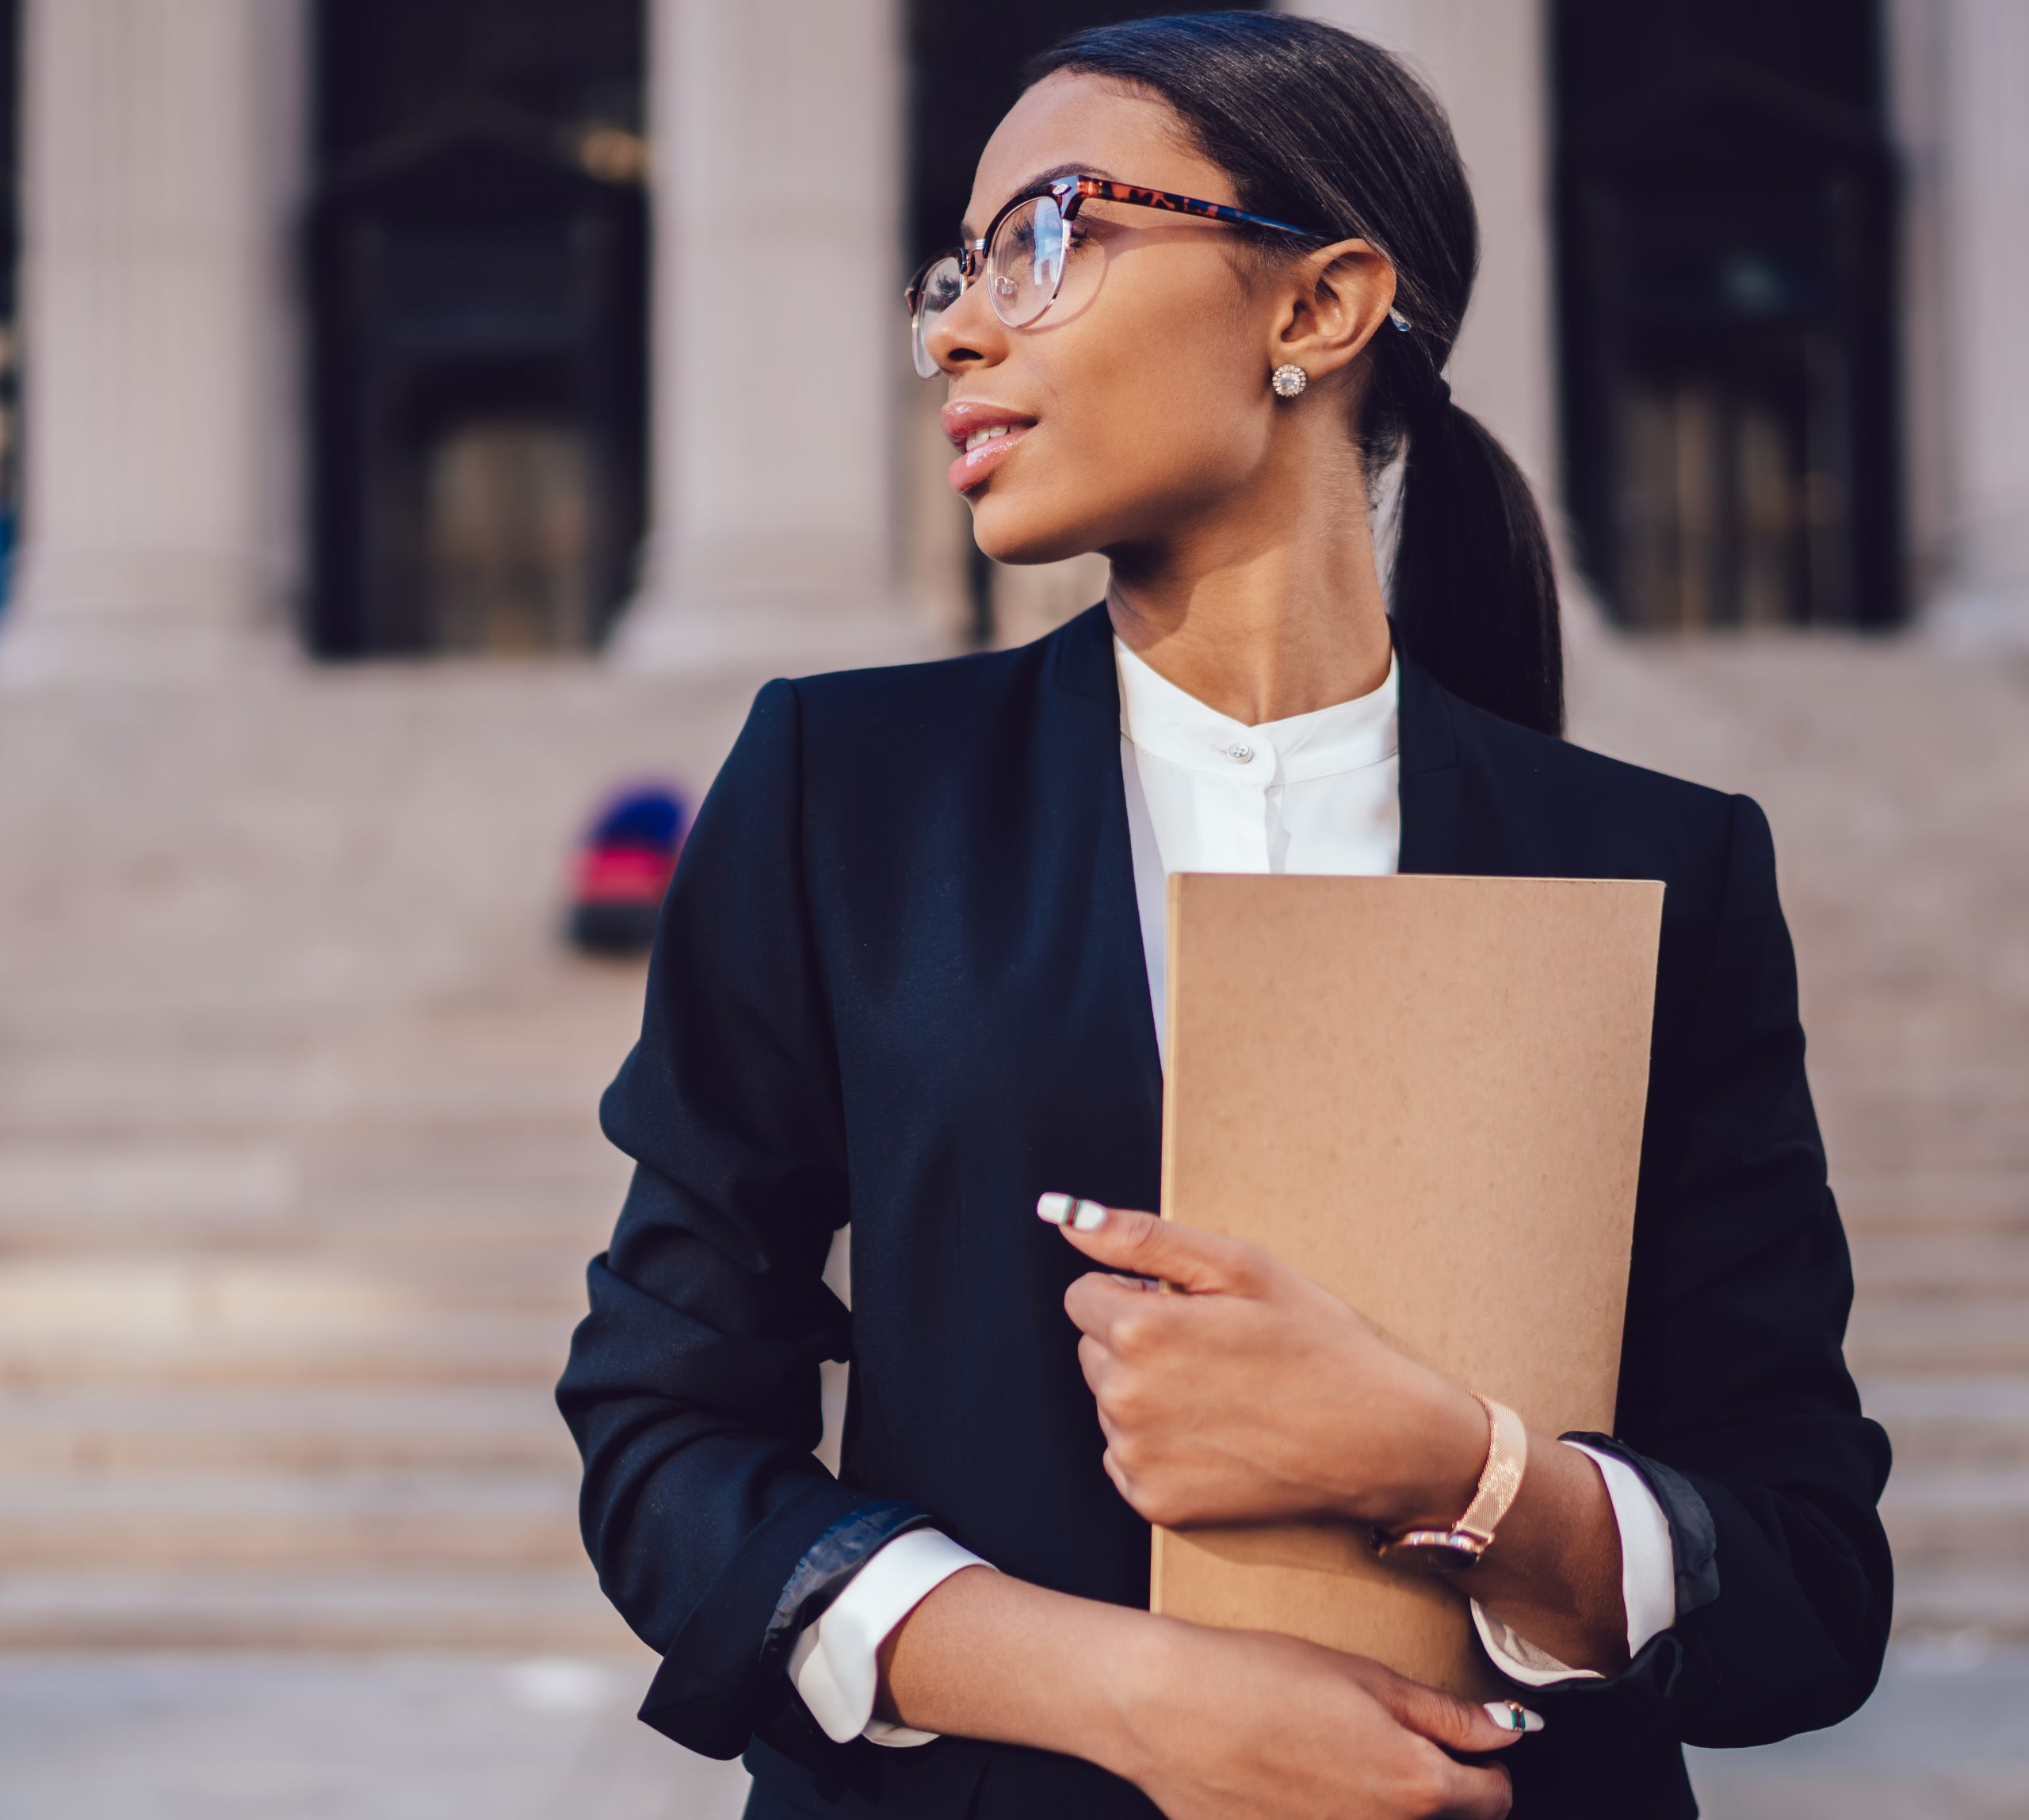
1214	269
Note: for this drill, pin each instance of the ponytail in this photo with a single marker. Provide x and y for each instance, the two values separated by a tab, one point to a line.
1472	589
1317	127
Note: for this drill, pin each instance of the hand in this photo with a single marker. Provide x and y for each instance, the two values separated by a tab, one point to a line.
1254	1396
1238	1725
1231	1724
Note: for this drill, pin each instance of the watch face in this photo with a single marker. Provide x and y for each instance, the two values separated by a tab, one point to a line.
1433	1550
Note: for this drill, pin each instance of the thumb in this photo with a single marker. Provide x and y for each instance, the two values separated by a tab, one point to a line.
1455	1724
1141	1245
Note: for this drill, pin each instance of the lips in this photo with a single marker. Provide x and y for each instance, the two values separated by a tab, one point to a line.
984	435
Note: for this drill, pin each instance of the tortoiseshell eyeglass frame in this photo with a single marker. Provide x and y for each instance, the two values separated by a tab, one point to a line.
1071	194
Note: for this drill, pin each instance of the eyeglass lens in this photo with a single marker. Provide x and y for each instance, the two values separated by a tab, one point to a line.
1024	269
942	286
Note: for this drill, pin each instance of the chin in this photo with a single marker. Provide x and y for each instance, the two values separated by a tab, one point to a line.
1022	532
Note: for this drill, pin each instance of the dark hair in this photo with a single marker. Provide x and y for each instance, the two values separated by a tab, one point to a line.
1323	129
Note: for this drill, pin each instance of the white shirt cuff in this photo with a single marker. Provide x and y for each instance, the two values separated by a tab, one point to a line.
1648	1581
833	1666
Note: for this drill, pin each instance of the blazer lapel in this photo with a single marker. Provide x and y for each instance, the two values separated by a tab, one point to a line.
1437	832
1083	670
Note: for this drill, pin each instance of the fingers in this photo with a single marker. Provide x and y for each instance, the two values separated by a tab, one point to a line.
1094	1361
1142	1246
1473	1792
1121	1482
1444	1718
1101	1305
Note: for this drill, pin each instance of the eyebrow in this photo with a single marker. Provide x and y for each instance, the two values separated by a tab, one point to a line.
1050	176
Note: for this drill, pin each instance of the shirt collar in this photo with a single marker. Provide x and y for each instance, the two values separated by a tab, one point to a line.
1165	722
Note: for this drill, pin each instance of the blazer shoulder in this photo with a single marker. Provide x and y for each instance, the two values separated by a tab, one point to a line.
1548	805
1608	791
940	700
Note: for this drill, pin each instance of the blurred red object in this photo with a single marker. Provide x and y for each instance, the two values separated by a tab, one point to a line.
623	868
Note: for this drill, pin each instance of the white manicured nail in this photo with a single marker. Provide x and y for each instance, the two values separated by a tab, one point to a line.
1090	1217
1510	1716
1055	1208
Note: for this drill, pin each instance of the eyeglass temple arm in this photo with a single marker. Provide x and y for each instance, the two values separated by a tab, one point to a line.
1103	190
1070	191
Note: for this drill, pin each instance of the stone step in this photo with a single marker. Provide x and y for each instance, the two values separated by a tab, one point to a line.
1950	1263
527	1350
1957	1513
101	1191
191	1322
1925	1103
1975	1332
1925	1201
65	1299
1988	1600
395	1224
454	1607
97	1094
1920	1145
243	1520
1952	1421
314	1429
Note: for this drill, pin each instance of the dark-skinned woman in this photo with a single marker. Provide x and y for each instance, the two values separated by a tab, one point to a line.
1212	272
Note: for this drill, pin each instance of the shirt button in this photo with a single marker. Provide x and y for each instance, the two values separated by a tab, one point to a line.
1240	752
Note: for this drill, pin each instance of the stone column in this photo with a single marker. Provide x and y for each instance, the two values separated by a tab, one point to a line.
777	343
1959	68
163	156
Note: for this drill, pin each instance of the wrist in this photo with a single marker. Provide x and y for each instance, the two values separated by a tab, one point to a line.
1445	1434
988	1656
1146	1667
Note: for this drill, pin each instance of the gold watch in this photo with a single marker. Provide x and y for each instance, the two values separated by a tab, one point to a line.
1455	1550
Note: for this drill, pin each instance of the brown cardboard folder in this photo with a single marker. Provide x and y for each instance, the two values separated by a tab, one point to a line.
1426	1093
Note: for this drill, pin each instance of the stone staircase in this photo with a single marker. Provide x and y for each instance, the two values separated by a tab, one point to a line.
1897	780
299	1169
299	1163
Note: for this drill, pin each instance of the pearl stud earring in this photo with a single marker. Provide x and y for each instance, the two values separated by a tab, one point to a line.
1288	380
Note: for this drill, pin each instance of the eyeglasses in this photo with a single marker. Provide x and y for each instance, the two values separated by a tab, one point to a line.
1024	251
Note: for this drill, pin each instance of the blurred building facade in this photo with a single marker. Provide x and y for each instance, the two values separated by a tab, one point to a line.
366	327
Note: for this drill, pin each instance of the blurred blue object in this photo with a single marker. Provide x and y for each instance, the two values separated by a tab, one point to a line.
623	868
650	815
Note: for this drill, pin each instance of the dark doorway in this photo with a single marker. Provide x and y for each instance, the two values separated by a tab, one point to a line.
965	66
477	252
1725	199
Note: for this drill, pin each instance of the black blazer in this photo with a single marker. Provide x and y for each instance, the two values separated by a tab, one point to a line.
899	981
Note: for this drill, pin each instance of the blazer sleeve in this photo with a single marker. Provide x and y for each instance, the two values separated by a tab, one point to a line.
1736	1400
692	1387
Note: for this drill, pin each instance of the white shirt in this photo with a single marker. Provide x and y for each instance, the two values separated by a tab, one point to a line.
1317	793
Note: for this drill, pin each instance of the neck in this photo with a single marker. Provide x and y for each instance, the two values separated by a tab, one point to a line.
1262	611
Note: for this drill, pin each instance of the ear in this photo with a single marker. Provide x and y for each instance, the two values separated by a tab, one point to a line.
1331	303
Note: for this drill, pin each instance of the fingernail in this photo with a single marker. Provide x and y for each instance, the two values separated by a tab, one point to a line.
1510	1715
1067	1210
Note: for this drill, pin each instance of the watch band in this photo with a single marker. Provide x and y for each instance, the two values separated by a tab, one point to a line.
1507	1453
1450	1550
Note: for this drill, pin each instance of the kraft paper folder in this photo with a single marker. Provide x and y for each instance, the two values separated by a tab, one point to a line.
1426	1093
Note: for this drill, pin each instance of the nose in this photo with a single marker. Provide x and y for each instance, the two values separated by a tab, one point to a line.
969	334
